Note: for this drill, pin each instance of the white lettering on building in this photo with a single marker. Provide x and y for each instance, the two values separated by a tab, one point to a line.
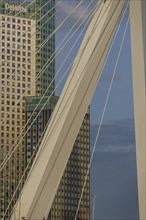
15	8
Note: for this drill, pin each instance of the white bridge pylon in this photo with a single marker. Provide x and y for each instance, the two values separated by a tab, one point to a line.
138	45
47	170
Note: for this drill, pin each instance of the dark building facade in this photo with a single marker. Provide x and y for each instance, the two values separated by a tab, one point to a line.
67	198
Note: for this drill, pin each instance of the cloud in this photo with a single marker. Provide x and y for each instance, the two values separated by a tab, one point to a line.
66	7
115	137
113	172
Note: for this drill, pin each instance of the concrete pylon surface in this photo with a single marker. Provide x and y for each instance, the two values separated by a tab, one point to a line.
138	46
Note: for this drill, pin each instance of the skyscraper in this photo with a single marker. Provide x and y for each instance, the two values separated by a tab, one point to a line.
17	74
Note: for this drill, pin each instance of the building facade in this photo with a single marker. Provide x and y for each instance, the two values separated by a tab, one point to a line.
23	30
17	74
67	198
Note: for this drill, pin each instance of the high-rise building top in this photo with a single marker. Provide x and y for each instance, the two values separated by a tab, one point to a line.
43	12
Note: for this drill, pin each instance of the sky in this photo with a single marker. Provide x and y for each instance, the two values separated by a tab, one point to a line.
113	171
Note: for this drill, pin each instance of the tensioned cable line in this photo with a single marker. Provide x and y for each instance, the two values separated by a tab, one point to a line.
42	46
44	130
104	109
61	65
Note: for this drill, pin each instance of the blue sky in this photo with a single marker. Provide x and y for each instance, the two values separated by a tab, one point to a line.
113	171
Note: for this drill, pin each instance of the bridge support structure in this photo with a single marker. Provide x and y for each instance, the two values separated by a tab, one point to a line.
138	46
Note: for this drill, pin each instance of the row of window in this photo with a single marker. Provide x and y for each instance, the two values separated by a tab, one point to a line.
14	20
23	91
14	39
16	27
13	58
19	65
16	46
17	33
11	51
8	77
